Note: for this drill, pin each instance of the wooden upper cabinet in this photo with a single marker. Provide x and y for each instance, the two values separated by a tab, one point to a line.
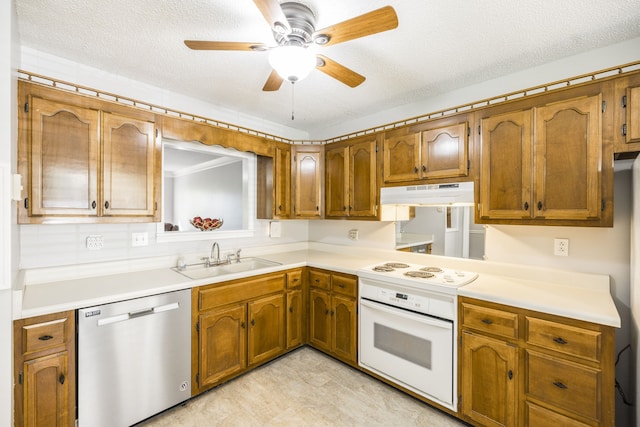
437	152
632	117
445	151
128	147
308	181
401	158
505	190
567	160
282	187
543	163
350	179
64	159
86	160
337	181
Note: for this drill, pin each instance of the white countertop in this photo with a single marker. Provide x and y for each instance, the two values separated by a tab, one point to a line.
575	295
407	240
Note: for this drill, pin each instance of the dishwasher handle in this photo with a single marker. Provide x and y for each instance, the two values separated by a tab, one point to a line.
138	313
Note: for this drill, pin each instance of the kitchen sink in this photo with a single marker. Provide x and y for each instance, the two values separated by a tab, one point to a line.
201	271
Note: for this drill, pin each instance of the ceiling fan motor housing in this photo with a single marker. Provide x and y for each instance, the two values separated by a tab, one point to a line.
302	22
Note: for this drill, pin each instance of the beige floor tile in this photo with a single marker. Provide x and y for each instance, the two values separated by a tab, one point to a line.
303	388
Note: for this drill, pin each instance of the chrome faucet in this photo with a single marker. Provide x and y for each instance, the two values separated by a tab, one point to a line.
216	260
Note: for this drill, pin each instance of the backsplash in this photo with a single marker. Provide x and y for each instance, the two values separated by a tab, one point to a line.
65	244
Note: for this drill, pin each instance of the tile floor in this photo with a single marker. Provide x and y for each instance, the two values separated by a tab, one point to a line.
303	388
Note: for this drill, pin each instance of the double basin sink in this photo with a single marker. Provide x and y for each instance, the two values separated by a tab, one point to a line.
202	271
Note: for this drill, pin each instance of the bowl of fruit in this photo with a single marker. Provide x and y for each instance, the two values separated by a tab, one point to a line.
206	224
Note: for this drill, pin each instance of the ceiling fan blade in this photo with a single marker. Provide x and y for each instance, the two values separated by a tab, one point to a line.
208	45
274	15
273	82
339	72
373	22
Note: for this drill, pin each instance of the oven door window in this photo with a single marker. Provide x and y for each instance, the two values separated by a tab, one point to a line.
411	349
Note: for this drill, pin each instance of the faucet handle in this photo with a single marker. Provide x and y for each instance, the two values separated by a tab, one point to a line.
238	254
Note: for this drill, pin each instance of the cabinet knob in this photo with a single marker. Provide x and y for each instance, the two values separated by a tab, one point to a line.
415	169
61	379
106	205
332	312
344	208
510	374
290	309
539	206
45	338
526	206
93	204
279	207
560	340
317	208
243	325
341	285
326	311
424	168
253	322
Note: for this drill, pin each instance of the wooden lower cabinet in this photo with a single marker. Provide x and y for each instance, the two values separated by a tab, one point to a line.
236	325
295	309
525	368
333	315
44	365
487	378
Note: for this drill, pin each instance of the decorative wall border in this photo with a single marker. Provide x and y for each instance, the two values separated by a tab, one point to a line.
520	94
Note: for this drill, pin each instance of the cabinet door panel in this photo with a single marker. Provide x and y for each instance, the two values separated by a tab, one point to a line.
222	343
488	380
633	115
363	190
128	158
506	150
344	327
337	181
401	158
567	159
319	320
266	337
64	159
444	152
282	206
46	391
294	318
308	184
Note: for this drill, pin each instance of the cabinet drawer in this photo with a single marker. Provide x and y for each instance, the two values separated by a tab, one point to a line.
564	384
294	279
541	417
489	320
345	285
566	339
319	279
43	336
240	290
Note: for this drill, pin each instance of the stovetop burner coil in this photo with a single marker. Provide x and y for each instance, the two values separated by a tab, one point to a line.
419	274
432	269
396	265
382	268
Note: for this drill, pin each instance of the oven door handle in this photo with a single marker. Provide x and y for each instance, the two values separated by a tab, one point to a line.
422	318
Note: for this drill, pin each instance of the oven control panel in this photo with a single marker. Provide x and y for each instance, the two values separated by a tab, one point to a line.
410	301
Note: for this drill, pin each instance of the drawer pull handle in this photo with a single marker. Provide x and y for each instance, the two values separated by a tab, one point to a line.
560	385
559	340
61	378
340	285
45	338
487	321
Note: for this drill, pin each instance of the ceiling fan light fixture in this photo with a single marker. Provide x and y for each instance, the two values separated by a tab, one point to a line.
292	63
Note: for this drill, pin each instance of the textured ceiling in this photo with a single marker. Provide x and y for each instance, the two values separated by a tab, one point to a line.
438	46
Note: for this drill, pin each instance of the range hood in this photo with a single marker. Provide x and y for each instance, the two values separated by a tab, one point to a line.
450	194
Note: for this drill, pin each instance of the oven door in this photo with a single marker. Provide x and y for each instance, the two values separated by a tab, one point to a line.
410	349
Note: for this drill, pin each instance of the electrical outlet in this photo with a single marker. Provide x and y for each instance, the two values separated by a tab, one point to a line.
139	239
561	247
353	234
95	242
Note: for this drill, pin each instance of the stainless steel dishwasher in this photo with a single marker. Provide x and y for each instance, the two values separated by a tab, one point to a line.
134	359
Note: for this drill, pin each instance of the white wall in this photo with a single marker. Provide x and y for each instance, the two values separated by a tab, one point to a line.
8	233
635	284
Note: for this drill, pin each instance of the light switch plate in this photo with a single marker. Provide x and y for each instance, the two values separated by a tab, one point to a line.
139	239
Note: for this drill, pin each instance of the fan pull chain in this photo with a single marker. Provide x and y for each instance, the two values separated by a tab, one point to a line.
292	100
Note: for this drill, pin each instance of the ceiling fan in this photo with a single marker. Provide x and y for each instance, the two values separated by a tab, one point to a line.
293	27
